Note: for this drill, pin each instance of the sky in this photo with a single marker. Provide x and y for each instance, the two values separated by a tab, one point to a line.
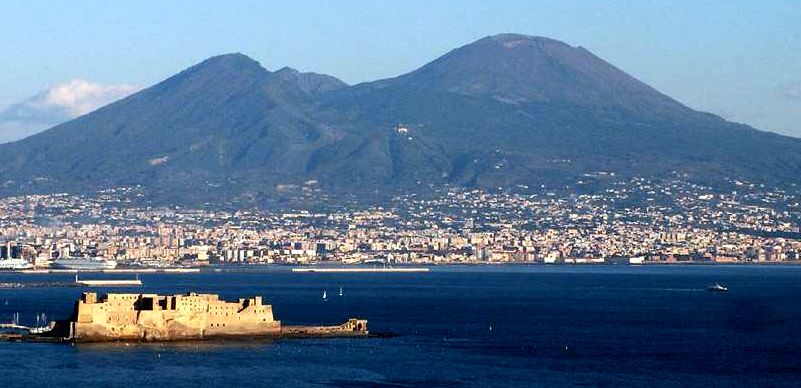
737	59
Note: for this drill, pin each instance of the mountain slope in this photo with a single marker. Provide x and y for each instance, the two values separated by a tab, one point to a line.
205	119
517	68
505	110
546	110
310	83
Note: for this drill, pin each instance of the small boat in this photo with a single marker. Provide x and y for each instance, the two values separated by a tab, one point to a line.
340	291
717	288
325	295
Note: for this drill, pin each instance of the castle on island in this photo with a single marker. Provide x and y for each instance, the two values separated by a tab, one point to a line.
152	317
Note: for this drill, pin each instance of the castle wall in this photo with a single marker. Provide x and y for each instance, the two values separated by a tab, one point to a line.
153	317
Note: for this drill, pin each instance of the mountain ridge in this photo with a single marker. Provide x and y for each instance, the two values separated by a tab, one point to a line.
507	110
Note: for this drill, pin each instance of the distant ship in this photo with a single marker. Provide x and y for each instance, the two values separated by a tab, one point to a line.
84	263
15	264
717	288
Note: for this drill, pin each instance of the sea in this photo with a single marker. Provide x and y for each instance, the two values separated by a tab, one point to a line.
474	326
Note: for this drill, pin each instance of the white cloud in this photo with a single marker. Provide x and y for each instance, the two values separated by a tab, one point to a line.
79	97
56	105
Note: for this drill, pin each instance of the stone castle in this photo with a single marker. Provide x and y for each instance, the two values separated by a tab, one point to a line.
152	317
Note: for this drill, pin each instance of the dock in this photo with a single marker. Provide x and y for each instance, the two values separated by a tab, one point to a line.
109	282
354	327
361	270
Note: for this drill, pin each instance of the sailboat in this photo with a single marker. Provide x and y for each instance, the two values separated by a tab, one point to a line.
717	288
340	291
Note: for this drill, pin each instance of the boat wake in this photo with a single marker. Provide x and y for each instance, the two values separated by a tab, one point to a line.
667	289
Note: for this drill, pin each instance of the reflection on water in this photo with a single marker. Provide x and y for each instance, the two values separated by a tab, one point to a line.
208	345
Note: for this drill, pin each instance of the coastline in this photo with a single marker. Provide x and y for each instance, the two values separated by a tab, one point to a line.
403	268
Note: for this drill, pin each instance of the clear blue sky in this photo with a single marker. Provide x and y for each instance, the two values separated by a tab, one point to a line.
740	59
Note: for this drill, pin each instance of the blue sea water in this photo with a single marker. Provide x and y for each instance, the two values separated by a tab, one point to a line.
525	326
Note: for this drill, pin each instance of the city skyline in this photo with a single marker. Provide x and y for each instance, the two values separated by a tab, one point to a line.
678	222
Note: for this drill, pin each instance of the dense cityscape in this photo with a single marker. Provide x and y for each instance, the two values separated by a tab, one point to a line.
634	221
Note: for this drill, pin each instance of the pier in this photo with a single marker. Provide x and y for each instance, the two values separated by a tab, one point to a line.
353	327
109	282
361	270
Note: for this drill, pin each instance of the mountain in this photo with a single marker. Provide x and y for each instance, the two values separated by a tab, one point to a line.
311	83
512	109
517	68
505	111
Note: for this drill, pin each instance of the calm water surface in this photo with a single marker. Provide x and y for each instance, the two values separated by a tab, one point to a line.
501	326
